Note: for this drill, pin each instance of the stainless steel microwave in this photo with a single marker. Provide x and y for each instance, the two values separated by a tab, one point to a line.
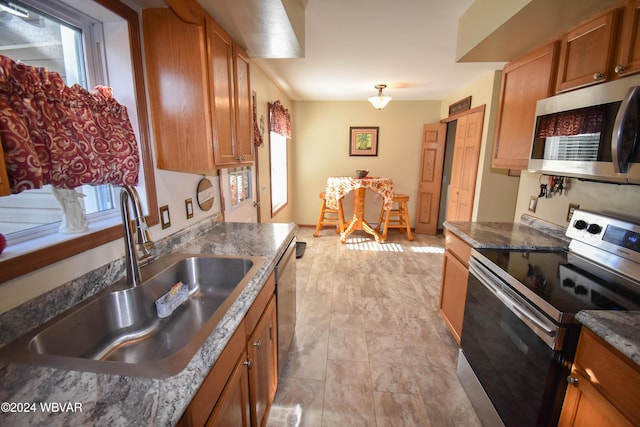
591	133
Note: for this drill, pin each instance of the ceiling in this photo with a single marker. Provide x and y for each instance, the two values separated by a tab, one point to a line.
350	46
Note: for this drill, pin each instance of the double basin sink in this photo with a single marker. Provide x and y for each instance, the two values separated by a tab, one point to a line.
118	331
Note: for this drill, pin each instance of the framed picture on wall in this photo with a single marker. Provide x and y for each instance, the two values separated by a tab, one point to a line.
363	141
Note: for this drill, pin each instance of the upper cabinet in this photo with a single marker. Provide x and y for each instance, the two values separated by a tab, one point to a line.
230	95
175	57
628	61
200	97
603	48
586	53
524	82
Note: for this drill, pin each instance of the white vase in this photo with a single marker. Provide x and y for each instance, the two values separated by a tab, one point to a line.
74	219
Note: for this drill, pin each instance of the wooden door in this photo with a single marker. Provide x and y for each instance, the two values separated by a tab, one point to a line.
584	406
430	181
176	65
524	82
586	53
629	56
263	375
221	93
232	409
466	155
244	112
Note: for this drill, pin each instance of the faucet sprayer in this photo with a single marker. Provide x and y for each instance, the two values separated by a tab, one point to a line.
129	200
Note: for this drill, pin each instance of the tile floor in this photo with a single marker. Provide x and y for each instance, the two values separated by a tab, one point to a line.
370	347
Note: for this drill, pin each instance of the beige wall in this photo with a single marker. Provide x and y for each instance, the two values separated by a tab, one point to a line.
496	192
266	91
621	200
321	149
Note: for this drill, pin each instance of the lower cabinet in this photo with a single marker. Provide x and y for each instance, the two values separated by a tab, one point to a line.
604	387
239	389
232	409
453	290
263	371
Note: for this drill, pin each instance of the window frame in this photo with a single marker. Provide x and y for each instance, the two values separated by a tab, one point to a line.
42	257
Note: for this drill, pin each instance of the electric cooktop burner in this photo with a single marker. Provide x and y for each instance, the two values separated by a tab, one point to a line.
562	283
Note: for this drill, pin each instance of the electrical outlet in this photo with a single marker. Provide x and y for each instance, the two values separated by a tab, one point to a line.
572	208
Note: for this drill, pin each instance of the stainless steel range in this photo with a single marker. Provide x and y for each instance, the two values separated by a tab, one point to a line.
519	334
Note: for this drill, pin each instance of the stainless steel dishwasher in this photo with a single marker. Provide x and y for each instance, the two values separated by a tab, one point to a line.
286	302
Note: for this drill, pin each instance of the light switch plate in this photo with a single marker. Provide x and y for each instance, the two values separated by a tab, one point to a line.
533	203
165	218
188	206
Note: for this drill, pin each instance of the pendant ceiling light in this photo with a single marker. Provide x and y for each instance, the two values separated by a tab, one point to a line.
380	101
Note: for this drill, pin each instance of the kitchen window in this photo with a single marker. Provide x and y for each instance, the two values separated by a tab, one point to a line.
240	186
279	173
87	50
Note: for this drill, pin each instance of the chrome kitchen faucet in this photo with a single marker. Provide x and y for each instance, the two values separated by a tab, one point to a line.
142	242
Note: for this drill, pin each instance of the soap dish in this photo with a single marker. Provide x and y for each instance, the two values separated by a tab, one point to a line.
169	302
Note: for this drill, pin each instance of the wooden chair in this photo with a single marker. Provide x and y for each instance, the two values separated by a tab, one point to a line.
328	216
396	217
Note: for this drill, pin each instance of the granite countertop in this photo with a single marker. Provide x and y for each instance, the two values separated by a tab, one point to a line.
530	233
102	399
621	329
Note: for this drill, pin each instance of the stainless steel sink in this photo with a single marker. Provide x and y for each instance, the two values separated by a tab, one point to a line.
118	331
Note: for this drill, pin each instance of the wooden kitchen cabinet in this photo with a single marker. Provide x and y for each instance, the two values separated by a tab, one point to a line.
453	290
263	372
524	82
239	389
230	95
175	58
587	52
199	91
628	60
604	387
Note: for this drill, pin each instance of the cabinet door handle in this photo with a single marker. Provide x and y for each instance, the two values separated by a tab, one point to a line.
572	380
248	363
598	76
619	69
257	344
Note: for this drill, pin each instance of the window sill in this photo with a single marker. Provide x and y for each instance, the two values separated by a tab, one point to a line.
31	255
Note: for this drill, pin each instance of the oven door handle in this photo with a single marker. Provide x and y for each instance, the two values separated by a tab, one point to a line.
517	308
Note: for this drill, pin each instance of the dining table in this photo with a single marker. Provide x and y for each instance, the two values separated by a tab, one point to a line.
338	186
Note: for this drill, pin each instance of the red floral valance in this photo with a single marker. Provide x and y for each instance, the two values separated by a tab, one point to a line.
60	135
586	120
279	119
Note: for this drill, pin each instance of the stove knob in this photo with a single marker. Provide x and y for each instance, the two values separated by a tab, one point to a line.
568	283
581	290
594	229
580	224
